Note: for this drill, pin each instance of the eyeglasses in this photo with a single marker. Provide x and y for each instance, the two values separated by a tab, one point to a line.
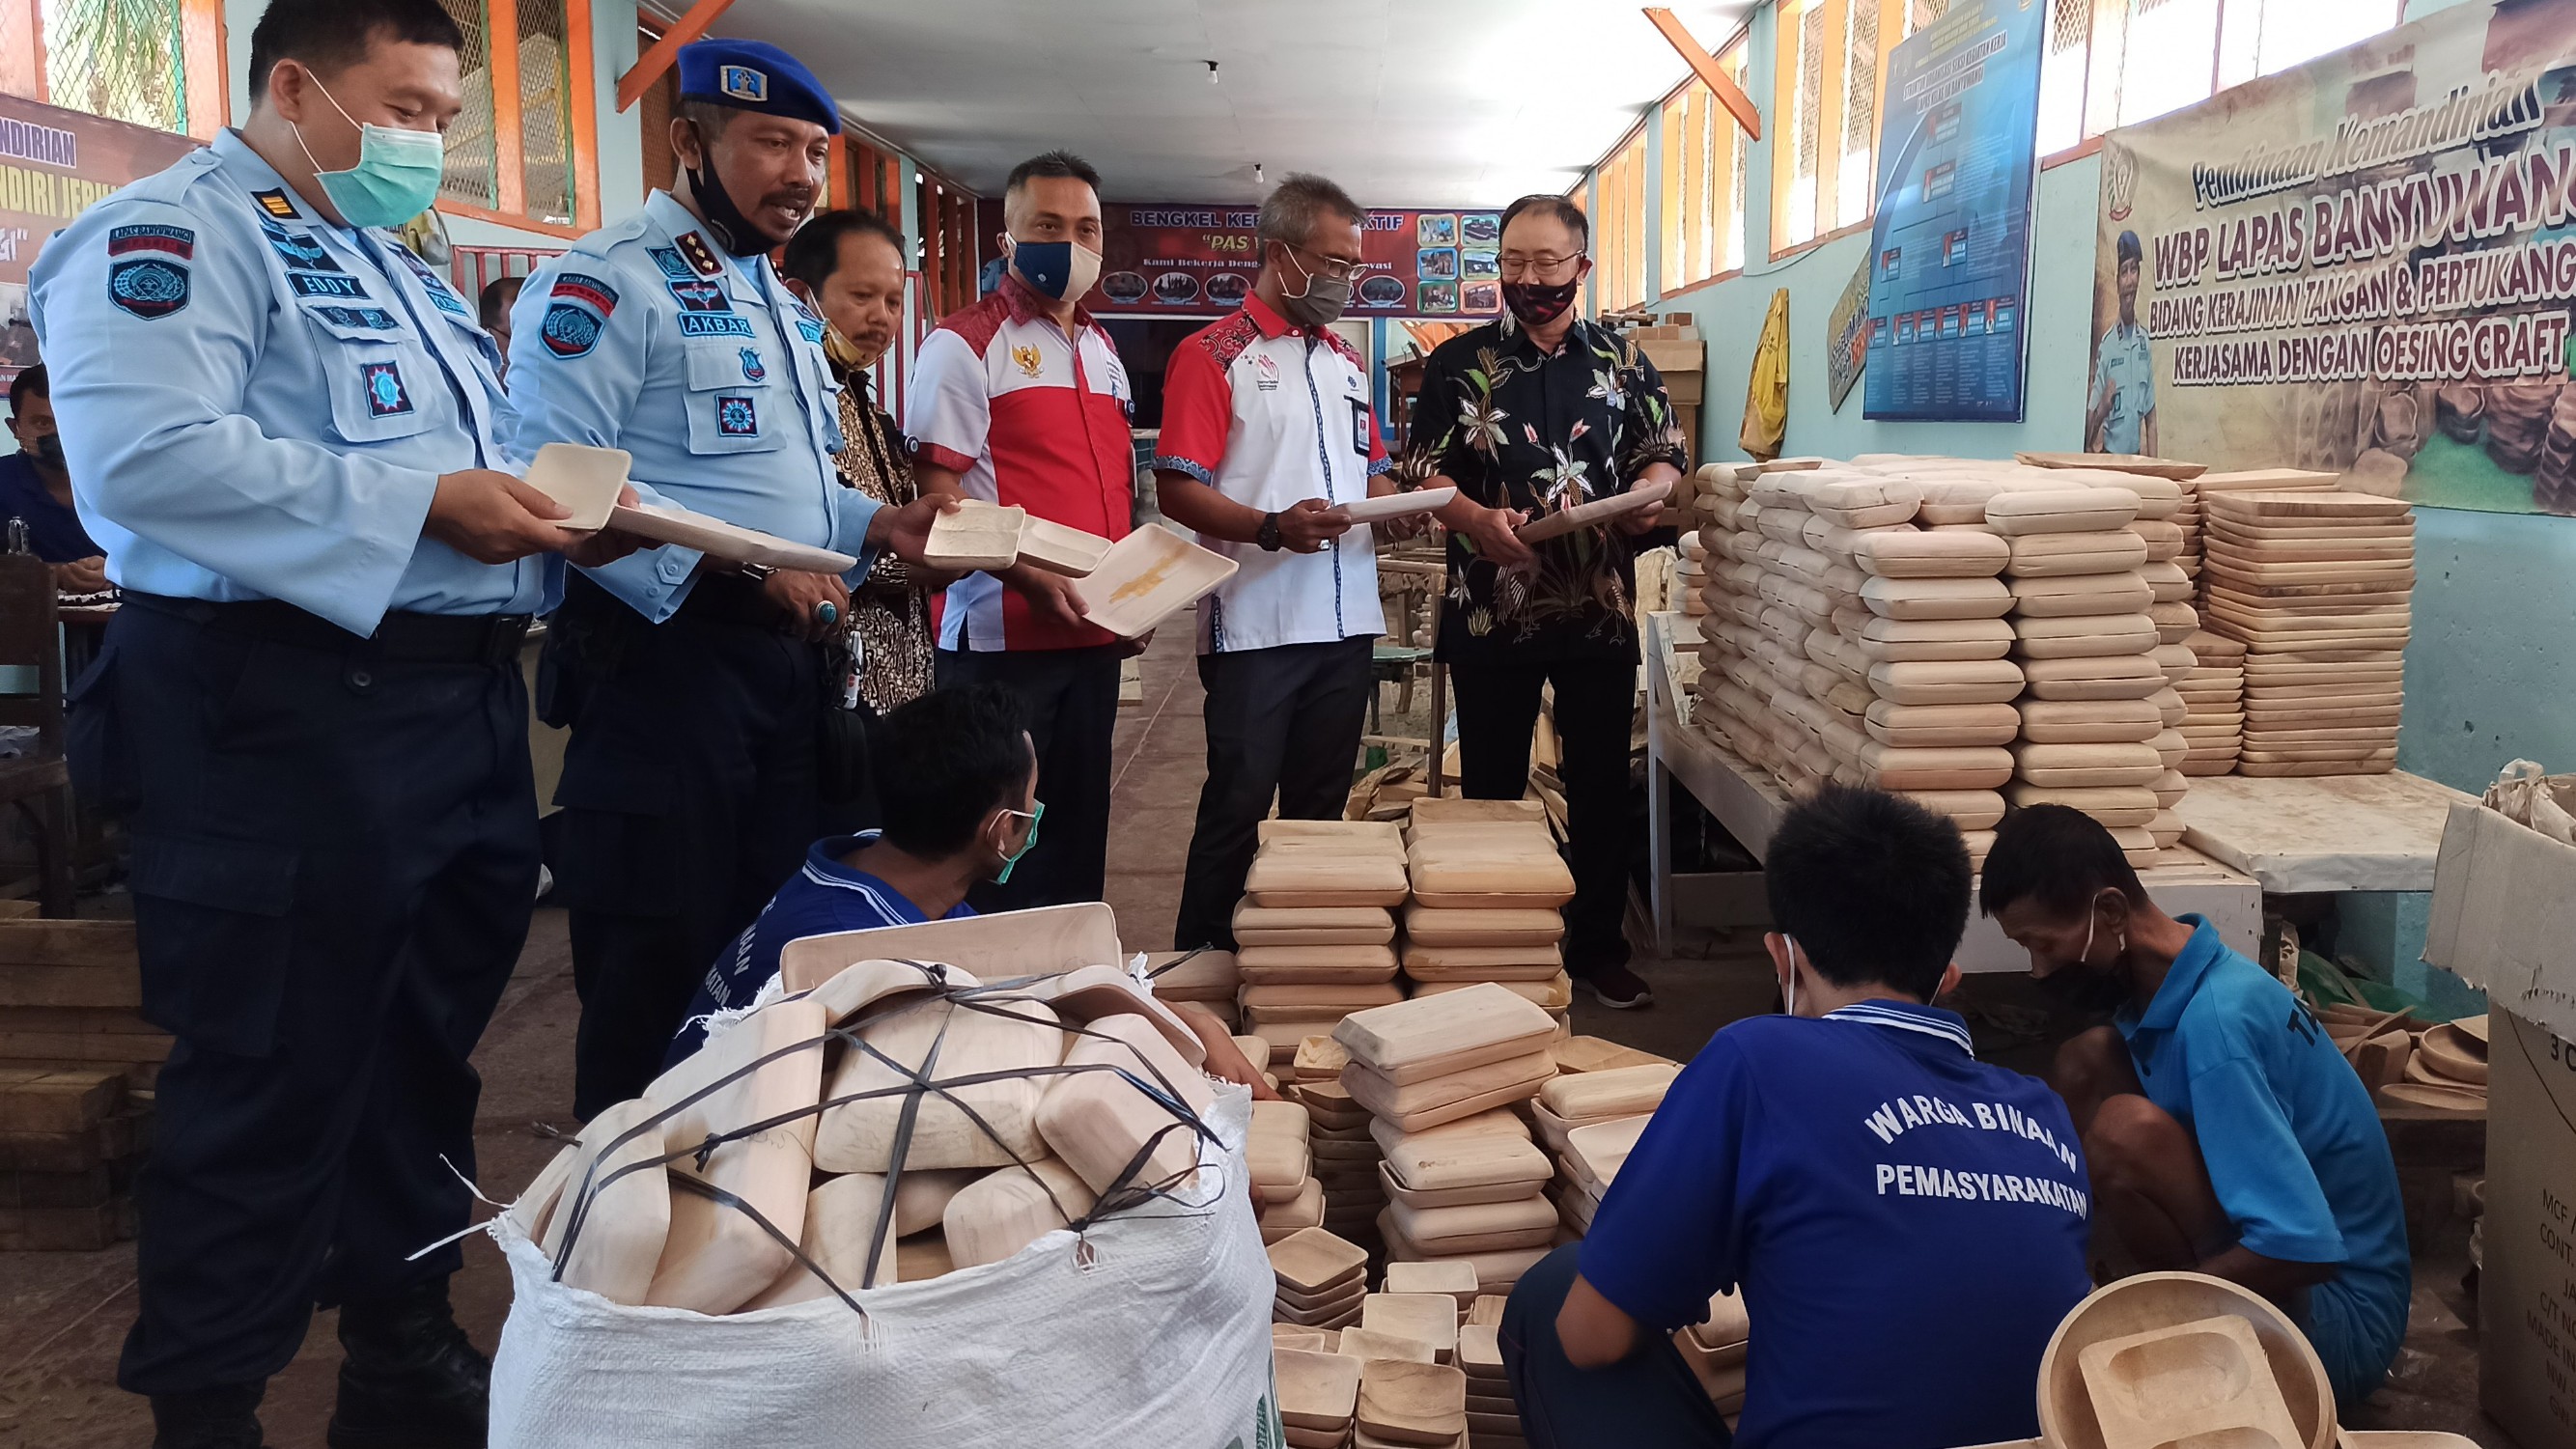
1332	269
1521	267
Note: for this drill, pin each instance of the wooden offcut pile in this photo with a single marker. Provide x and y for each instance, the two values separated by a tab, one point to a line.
77	1066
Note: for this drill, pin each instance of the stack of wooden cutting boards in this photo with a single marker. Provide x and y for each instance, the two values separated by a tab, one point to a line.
1574	1103
2249	480
77	1066
2213	704
2099	713
1316	929
1488	887
1439	1073
2316	584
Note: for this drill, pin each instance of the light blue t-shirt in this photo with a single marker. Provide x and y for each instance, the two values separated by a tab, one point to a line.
2124	369
2294	1148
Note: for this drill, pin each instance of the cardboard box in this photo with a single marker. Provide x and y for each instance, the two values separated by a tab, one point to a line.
2527	1287
2504	915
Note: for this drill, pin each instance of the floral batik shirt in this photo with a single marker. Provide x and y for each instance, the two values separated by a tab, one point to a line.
1517	429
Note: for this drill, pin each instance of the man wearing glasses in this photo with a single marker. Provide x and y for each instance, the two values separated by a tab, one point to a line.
1267	432
1538	412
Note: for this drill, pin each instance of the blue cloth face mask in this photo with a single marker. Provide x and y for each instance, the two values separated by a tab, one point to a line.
1011	860
396	177
1057	269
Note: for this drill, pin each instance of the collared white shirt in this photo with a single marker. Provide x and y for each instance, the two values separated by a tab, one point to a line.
1271	414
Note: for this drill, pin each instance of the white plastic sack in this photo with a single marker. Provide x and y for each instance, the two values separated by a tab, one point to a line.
1152	1329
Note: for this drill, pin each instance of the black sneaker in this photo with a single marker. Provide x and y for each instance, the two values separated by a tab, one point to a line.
1619	988
412	1380
224	1418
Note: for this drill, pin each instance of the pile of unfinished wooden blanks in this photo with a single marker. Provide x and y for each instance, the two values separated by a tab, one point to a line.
2213	704
2316	585
2100	715
1488	892
2404	1062
1715	1349
956	1140
1572	1103
1690	574
1439	1073
1591	1161
2249	480
1316	929
1322	1277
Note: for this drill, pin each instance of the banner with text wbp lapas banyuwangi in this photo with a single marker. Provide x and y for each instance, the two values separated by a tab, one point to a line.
2363	265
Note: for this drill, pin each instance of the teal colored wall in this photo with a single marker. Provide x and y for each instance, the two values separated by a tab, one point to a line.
2491	667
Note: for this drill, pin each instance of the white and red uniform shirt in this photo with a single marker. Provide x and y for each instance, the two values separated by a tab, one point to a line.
1029	417
1270	414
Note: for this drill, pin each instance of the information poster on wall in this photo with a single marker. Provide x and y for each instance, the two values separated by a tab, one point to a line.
1200	261
2362	265
1950	245
53	164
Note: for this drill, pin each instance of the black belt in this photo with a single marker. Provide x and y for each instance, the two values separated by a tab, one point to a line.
400	637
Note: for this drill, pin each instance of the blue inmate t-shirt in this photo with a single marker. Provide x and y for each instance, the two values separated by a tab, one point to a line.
823	898
2294	1148
1906	1226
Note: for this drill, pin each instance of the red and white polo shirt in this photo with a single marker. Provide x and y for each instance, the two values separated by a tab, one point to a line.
1030	417
1270	414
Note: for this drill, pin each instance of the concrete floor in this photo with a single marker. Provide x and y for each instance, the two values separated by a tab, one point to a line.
63	1315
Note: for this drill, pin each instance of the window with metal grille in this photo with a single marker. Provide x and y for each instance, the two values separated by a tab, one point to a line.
128	60
1619	242
2118	62
1807	118
1855	178
520	150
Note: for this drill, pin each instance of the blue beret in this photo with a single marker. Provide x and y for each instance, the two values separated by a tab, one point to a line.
752	75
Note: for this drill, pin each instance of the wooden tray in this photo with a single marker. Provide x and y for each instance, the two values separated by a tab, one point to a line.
2118	463
1061	548
974	536
717	1257
719	539
2151	1301
1148	576
2202	1382
1315	1262
1532	926
1416	1040
583	479
1316	1390
1010	1208
1599	510
1002	946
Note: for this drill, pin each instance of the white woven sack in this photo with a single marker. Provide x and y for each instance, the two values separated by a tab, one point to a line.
1153	1328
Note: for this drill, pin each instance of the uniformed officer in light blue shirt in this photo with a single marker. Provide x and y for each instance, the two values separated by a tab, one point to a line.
280	425
2121	413
695	692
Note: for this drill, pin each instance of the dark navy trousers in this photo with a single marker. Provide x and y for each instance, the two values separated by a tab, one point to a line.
1648	1398
334	860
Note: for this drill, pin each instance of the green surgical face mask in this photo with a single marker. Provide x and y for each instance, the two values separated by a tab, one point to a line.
1011	862
396	177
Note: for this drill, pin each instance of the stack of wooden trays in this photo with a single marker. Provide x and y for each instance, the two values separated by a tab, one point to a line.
1690	575
1318	1396
1452	1279
1318	901
1591	1160
1577	1054
1493	1420
1467	1184
1212	979
1408	1403
2250	480
1282	1165
1346	1154
1433	1064
1587	1098
1322	1278
2316	585
2093	716
1715	1350
1488	888
2213	703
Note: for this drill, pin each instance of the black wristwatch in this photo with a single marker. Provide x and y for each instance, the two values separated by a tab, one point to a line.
1268	537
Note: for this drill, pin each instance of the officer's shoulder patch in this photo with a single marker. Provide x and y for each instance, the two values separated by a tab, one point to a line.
276	204
569	331
590	291
176	241
737	416
667	259
148	287
715	324
702	258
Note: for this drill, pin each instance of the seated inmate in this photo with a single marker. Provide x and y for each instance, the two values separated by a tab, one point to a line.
2226	1132
1906	1225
